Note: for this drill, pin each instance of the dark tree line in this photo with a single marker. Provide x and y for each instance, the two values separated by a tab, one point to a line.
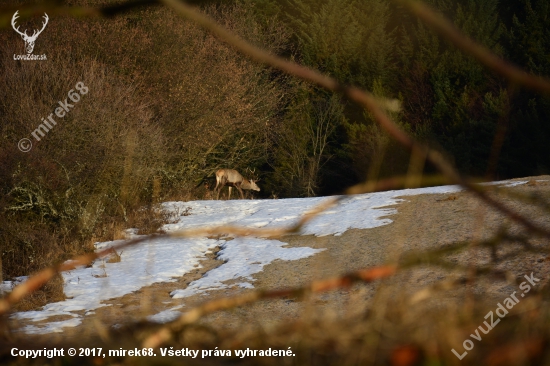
488	126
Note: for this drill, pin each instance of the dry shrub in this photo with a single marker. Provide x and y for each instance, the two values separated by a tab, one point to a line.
148	219
375	154
135	138
213	106
95	165
302	144
216	105
51	292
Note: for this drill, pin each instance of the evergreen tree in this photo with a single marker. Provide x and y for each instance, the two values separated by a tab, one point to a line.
527	42
445	92
346	39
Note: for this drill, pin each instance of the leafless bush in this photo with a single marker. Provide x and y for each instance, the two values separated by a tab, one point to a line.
97	163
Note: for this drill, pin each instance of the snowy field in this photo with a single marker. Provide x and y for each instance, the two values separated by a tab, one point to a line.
163	259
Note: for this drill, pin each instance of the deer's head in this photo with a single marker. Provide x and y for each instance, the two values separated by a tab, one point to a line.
252	185
29	40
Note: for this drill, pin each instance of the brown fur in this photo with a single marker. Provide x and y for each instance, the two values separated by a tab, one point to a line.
232	178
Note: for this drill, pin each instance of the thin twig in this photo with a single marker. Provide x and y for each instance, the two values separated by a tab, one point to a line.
191	316
469	47
363	98
41	278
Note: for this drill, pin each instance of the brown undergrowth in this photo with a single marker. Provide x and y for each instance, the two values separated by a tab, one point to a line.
393	329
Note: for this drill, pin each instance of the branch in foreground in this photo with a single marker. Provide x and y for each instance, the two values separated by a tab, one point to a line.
364	275
363	98
41	278
431	257
469	47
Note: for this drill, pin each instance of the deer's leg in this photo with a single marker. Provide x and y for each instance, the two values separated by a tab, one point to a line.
240	191
219	190
229	197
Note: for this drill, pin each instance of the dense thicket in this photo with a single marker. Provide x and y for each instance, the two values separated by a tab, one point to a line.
169	104
448	100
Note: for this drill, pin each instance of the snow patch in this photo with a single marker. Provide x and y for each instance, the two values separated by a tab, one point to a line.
163	259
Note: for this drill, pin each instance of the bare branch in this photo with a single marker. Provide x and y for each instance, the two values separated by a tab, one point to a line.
469	47
365	99
364	275
42	277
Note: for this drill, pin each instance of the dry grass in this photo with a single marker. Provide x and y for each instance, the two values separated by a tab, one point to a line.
451	197
392	330
50	292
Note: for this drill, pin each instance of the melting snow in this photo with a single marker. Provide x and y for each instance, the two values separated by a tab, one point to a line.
163	259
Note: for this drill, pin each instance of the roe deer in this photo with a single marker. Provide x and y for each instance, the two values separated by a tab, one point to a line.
233	178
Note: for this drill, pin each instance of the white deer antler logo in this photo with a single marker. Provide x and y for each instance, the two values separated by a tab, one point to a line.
29	40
